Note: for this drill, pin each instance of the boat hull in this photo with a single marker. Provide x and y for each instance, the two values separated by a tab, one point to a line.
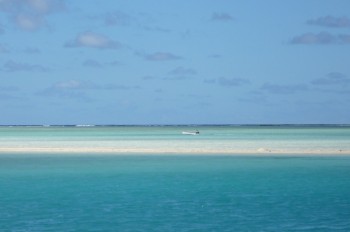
190	133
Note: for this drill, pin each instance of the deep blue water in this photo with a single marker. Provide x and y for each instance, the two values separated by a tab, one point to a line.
173	193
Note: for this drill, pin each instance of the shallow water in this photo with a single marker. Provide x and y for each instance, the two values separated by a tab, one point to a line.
169	192
46	192
299	139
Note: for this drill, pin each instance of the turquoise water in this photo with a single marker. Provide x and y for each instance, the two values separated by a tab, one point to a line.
148	191
45	192
211	139
174	132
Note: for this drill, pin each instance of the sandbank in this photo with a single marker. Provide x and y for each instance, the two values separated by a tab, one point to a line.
166	151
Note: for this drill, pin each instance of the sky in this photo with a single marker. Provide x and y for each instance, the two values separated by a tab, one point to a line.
174	62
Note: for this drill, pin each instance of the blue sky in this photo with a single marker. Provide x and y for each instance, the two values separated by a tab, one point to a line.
174	62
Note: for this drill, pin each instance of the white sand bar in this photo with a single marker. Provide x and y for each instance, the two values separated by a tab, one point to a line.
175	148
169	140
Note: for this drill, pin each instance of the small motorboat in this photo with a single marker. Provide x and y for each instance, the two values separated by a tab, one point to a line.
190	132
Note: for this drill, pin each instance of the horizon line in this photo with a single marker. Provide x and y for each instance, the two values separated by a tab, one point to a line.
190	124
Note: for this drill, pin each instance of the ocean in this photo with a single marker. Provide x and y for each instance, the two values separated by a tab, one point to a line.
169	139
49	190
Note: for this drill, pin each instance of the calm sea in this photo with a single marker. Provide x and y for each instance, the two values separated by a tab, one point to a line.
298	139
145	192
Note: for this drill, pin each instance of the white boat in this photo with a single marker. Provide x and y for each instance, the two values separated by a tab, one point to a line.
190	132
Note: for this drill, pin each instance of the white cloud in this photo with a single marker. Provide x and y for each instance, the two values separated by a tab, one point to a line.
223	17
93	40
71	85
40	5
33	6
228	82
283	89
29	22
30	15
70	89
160	56
232	81
92	63
13	66
183	71
311	38
333	78
321	38
330	21
96	64
117	19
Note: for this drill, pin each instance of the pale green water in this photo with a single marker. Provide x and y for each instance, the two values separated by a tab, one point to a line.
211	138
